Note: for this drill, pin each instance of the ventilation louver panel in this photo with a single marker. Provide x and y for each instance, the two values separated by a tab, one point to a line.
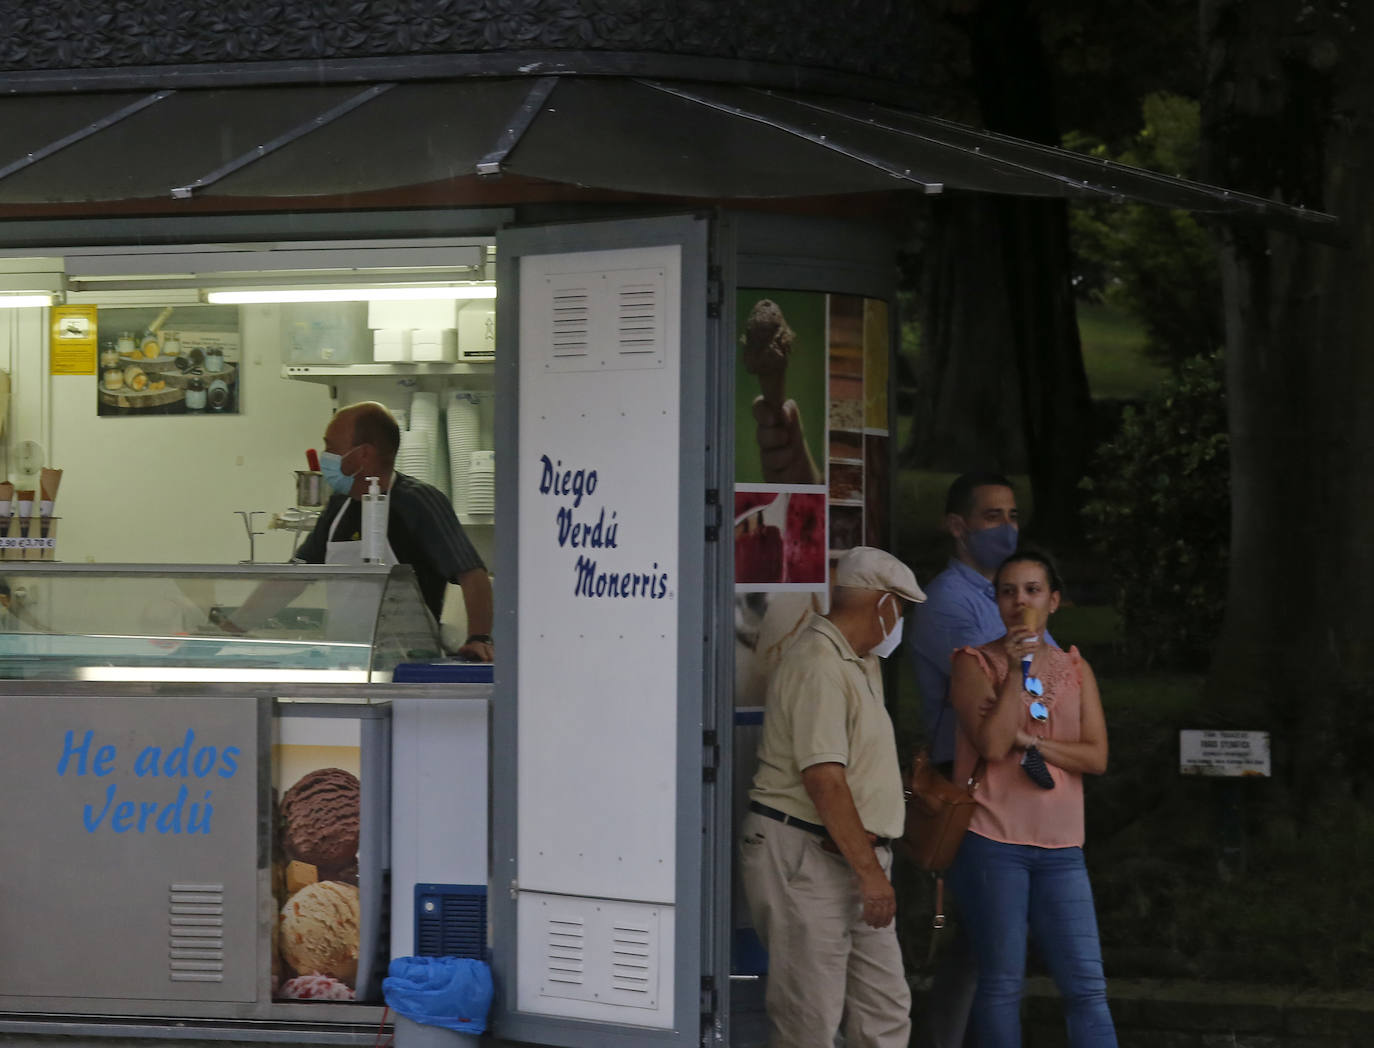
637	329
605	321
566	951
639	305
601	951
631	962
196	927
451	920
571	325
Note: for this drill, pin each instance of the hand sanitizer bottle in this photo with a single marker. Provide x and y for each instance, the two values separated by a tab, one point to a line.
374	523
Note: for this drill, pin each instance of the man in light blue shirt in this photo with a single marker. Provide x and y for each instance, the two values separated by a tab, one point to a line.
961	606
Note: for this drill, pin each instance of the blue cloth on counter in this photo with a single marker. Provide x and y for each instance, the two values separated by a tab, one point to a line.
443	671
452	992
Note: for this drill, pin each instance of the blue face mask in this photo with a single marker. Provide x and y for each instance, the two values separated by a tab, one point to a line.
988	547
331	466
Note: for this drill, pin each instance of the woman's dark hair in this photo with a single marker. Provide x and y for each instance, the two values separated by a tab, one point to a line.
1031	555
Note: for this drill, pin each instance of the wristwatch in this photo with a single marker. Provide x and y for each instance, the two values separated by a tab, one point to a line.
478	638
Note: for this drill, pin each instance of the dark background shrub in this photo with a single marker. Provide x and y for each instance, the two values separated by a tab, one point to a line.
1158	514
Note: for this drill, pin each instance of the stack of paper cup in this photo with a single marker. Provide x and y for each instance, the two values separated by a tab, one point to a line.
482	487
415	457
420	442
424	411
464	428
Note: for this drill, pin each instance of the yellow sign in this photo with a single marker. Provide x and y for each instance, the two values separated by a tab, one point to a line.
72	346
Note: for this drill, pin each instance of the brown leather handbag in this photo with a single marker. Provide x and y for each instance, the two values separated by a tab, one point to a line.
937	812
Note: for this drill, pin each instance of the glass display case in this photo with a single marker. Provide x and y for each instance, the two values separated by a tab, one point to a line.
212	623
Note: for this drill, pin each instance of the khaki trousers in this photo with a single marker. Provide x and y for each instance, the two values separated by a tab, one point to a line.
824	963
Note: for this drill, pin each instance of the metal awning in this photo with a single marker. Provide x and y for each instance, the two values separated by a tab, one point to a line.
283	145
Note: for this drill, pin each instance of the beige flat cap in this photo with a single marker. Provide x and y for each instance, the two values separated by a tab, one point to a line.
865	567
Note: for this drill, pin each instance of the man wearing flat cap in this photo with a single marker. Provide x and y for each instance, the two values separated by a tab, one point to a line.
826	803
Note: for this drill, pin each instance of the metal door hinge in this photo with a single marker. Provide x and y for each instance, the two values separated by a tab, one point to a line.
712	1032
710	756
712	514
713	291
708	998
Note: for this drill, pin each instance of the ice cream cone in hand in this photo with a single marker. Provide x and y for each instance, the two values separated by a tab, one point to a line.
767	345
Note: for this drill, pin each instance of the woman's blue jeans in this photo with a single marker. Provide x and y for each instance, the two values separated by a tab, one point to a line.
1008	890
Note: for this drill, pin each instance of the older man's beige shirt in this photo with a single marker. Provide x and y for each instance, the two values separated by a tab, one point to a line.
825	705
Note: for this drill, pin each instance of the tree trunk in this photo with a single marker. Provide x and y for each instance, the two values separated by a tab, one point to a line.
998	309
967	410
1055	403
1289	113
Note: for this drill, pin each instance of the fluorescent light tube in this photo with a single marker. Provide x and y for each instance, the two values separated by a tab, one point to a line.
354	294
22	300
223	675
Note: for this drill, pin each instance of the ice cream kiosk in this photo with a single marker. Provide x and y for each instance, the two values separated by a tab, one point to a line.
226	836
236	832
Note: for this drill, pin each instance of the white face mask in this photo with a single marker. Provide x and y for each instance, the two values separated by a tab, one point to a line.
891	639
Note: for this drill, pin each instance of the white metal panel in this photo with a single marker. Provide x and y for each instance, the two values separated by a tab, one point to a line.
438	803
597	610
596	959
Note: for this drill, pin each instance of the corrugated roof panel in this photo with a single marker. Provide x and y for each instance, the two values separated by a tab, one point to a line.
672	139
414	134
165	145
623	135
28	123
909	132
935	163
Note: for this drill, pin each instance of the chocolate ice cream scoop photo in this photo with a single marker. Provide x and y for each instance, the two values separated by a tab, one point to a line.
320	814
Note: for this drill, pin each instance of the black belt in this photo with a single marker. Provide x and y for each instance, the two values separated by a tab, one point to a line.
802	824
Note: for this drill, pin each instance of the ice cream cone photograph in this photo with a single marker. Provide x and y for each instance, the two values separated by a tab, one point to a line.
780	380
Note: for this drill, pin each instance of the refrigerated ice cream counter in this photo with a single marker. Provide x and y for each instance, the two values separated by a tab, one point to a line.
224	824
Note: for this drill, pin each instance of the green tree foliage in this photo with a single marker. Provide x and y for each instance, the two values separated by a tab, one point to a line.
1158	512
1160	266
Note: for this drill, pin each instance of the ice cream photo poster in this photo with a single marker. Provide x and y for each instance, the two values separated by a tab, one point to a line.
780	538
315	872
780	384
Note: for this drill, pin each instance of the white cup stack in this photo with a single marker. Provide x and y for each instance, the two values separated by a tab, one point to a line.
464	429
417	452
415	456
482	487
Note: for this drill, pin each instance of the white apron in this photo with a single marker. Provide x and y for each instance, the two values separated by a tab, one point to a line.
351	609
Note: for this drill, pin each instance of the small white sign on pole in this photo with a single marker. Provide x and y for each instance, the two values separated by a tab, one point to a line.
1224	754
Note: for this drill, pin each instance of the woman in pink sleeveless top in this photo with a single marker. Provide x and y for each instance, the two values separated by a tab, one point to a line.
1032	713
